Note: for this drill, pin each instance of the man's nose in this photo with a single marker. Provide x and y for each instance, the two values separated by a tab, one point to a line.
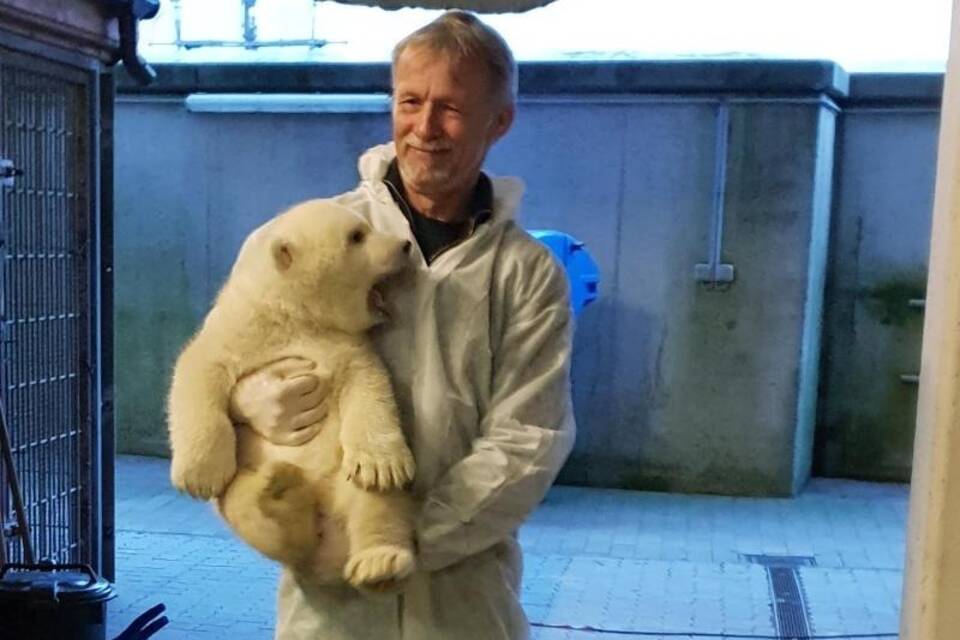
428	122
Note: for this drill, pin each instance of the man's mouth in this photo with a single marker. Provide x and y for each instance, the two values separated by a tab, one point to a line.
429	149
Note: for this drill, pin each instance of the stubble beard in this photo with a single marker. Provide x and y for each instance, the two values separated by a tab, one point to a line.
424	179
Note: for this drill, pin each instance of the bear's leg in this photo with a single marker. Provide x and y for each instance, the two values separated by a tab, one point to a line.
275	511
380	533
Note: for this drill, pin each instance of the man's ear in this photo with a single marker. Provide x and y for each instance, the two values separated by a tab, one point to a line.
282	251
502	122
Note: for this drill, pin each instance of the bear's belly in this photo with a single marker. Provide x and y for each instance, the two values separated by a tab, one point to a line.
319	458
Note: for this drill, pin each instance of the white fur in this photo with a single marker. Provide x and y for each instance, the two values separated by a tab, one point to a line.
334	506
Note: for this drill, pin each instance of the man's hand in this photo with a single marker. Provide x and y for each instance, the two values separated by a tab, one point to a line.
284	401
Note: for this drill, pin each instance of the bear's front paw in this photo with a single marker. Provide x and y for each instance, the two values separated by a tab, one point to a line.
381	569
204	478
381	471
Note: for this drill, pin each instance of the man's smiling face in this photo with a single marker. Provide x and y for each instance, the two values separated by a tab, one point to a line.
445	118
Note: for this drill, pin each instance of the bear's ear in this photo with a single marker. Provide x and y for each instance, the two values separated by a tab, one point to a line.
282	250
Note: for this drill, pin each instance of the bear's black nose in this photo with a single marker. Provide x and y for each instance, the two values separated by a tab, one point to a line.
407	246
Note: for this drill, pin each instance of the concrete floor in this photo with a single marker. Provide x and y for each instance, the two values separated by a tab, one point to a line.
598	563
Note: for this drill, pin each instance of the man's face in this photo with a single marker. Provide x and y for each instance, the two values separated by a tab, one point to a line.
445	117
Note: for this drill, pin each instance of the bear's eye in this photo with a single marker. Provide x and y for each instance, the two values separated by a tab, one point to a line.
356	236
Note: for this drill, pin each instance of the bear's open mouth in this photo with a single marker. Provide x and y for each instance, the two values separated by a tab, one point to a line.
380	301
377	301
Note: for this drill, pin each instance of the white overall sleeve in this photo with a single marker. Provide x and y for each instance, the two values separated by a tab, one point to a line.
527	432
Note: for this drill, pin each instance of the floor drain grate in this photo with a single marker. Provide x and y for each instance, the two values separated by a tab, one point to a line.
790	614
790	608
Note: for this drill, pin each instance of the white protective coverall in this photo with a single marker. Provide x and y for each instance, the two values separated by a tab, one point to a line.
479	353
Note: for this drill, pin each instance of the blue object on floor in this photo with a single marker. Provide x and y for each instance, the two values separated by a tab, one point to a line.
582	270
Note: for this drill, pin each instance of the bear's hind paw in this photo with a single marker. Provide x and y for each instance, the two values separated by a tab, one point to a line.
380	568
283	476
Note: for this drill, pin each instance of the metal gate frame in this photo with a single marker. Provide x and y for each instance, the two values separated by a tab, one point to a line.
96	470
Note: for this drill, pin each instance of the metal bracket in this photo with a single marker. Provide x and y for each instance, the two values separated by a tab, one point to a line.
714	271
8	172
10	530
919	304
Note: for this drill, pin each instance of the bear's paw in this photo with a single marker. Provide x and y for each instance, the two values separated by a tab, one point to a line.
204	477
381	569
381	471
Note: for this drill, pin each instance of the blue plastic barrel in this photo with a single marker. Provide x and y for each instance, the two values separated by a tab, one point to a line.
582	271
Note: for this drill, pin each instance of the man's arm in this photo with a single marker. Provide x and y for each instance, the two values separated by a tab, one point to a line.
527	432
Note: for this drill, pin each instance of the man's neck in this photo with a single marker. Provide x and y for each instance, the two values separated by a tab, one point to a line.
448	207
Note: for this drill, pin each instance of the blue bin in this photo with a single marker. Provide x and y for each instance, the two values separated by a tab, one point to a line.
582	271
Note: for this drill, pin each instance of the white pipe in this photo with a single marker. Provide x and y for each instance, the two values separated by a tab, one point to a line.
288	103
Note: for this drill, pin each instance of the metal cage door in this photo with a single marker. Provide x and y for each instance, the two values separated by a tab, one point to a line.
48	305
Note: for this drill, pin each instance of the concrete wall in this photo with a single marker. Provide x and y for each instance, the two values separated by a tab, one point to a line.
677	386
878	264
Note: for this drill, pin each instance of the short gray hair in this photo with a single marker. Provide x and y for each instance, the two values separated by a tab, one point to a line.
462	36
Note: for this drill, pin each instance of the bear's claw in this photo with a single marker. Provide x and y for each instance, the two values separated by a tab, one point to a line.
381	472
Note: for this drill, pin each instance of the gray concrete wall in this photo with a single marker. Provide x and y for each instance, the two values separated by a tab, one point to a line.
677	387
878	262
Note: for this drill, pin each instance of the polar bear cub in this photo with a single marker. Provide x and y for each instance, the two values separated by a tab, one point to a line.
308	283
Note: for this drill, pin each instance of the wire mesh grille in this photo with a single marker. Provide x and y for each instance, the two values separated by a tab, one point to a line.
45	308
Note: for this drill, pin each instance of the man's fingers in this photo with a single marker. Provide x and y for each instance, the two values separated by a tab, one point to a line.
308	418
289	367
296	437
300	385
313	398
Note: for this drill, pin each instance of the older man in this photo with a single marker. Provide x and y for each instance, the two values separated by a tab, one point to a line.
479	352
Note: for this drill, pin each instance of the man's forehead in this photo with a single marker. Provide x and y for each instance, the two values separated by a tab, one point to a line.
456	80
418	56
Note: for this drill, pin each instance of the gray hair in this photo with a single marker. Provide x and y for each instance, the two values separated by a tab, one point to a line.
462	36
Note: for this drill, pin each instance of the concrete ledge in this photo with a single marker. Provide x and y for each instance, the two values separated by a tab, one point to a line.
895	88
536	78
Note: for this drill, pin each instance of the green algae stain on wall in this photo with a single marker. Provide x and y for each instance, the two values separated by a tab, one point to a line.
889	301
872	429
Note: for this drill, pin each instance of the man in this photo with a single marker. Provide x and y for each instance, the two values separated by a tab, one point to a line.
479	352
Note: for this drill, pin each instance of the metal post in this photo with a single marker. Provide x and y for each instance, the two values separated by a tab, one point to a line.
249	24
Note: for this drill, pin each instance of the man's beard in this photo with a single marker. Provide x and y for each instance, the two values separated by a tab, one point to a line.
426	179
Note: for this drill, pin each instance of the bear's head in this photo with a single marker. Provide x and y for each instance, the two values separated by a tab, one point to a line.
324	262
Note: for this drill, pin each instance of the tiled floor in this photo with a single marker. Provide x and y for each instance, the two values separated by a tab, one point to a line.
623	564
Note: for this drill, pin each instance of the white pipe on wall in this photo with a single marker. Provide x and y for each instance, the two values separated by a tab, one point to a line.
288	103
931	595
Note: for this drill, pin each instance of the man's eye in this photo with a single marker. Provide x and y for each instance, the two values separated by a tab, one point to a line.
357	237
